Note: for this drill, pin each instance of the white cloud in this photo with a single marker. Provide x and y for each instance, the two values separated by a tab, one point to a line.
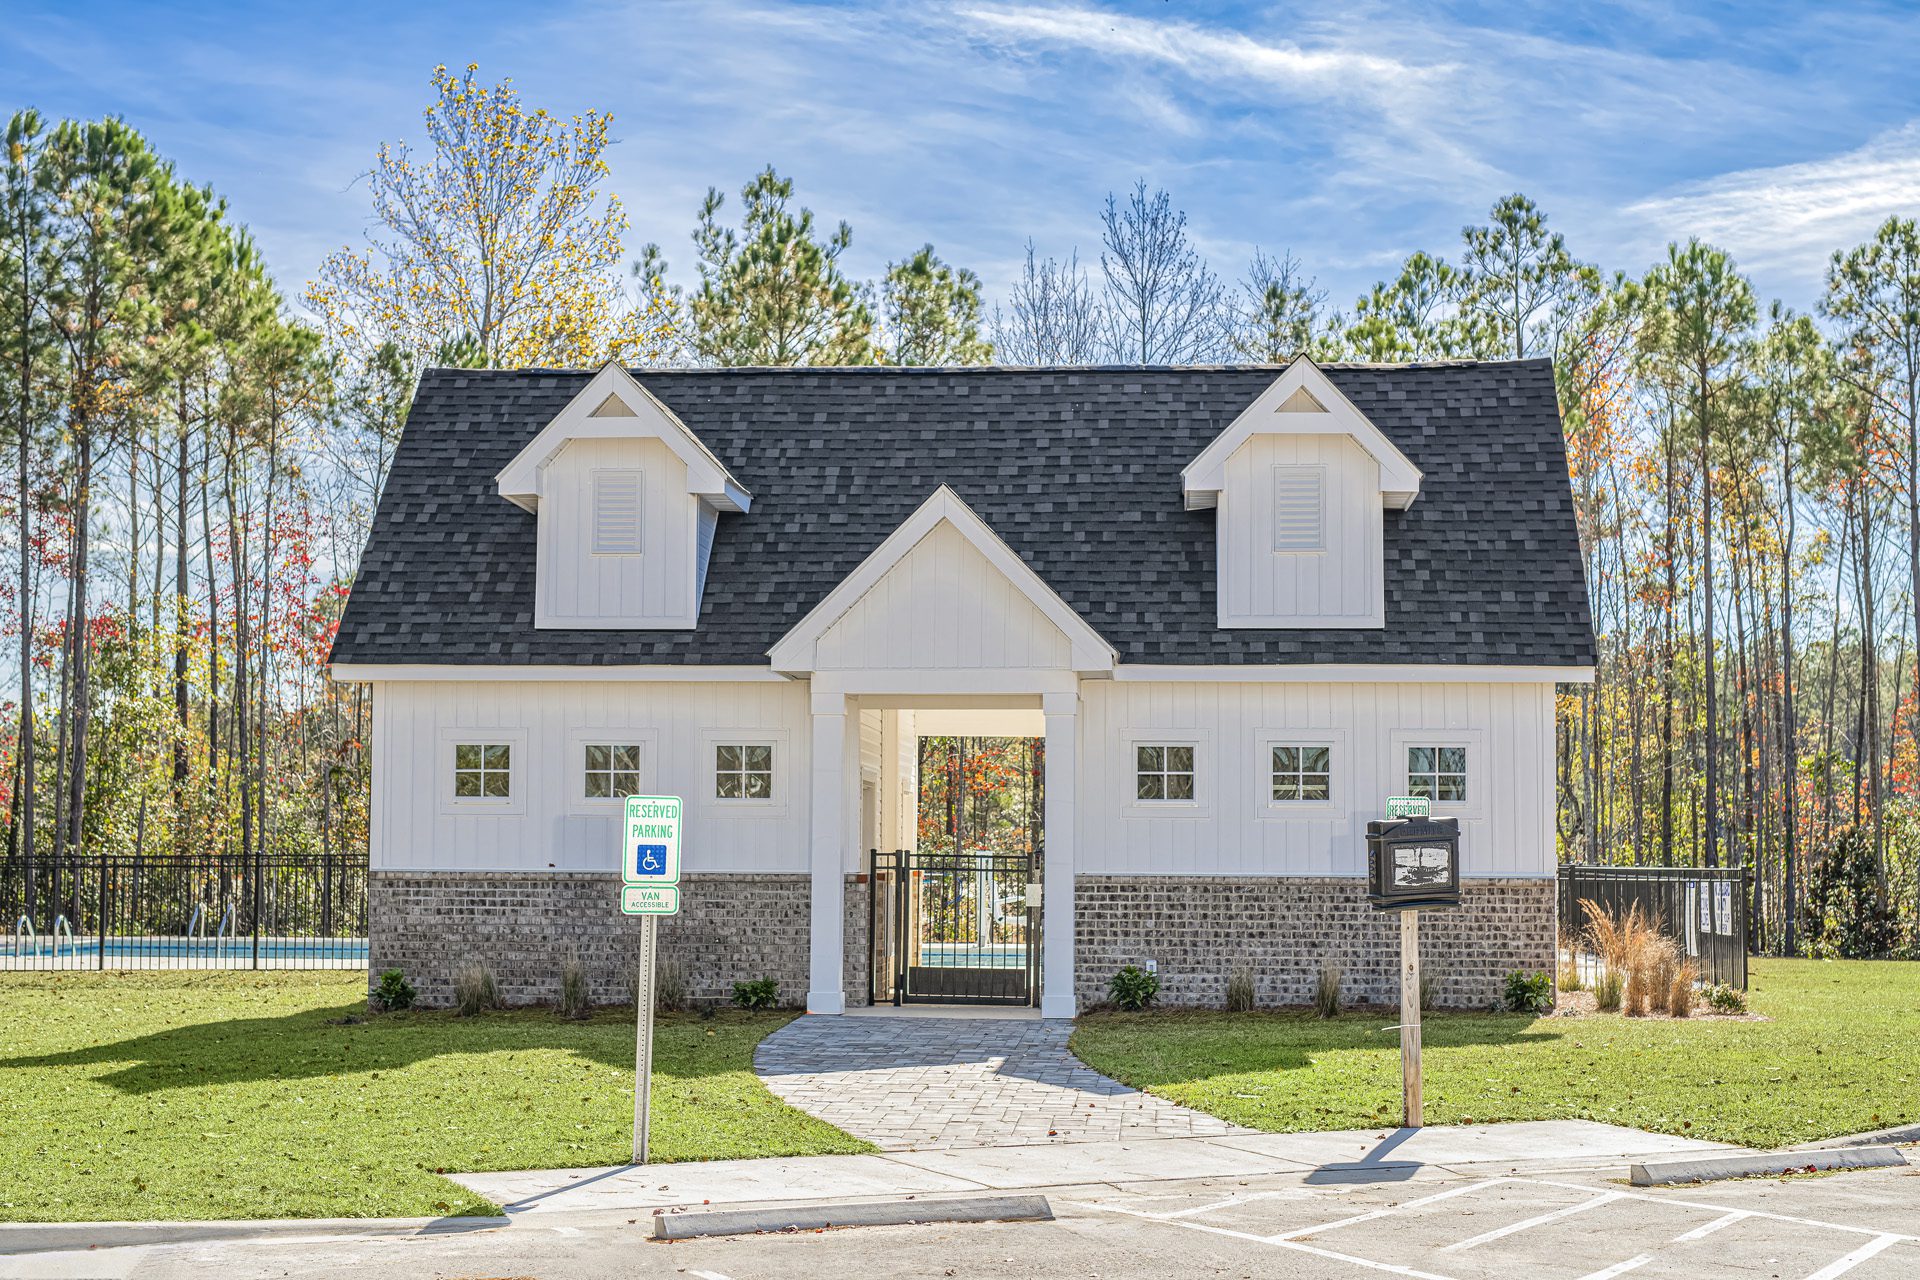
1207	55
1790	217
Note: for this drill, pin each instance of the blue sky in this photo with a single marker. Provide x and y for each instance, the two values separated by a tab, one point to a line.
1349	135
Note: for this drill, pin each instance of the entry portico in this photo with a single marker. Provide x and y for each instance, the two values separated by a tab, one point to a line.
942	615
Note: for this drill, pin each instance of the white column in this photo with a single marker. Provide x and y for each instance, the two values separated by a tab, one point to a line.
827	854
1056	897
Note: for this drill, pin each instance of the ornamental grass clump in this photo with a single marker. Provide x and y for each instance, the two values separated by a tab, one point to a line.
1326	990
576	998
1240	989
474	990
1680	991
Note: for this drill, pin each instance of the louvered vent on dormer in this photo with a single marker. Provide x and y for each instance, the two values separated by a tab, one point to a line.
616	513
1299	508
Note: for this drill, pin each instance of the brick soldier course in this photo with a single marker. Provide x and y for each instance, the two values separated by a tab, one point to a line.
928	1082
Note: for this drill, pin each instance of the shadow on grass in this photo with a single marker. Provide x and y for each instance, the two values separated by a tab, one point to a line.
317	1043
1179	1047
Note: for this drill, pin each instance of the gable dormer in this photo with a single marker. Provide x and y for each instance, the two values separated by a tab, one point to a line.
627	500
1299	482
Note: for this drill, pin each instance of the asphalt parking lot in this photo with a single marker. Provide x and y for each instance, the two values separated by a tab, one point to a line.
1864	1226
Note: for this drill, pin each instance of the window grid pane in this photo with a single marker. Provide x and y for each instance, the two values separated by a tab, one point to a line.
1438	774
482	771
1164	771
1302	772
743	771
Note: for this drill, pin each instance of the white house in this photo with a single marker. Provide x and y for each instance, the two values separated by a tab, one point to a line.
1239	605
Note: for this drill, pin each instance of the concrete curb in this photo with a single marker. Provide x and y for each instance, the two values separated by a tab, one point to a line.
1654	1173
1878	1138
46	1237
884	1213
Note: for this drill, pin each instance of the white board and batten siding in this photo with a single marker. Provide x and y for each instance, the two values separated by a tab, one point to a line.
1300	534
944	606
596	568
1233	828
548	825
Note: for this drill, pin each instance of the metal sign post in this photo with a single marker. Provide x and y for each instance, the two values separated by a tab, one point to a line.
650	867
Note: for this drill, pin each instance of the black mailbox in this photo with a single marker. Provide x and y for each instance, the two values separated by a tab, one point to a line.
1413	863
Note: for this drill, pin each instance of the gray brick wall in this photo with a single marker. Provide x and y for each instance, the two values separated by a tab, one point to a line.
1197	928
522	924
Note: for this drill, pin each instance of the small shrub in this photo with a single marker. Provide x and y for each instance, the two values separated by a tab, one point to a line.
393	992
576	999
1570	979
1528	993
1606	990
761	993
1134	988
1662	962
1724	997
1326	990
1680	990
670	984
474	989
1429	987
1240	989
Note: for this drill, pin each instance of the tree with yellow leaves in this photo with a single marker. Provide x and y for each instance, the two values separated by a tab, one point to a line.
496	242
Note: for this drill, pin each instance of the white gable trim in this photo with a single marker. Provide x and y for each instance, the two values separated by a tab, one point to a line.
795	651
1277	412
521	480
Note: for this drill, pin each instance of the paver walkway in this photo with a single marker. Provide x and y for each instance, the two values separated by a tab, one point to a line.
907	1083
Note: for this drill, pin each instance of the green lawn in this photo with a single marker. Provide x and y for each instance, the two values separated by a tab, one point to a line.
1840	1054
216	1095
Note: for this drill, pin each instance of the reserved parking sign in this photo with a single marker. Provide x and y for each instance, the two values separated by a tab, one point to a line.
650	841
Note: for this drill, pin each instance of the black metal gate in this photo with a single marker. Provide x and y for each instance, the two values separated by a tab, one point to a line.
954	928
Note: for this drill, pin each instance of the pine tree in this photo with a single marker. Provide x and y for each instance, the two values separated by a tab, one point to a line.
932	313
772	293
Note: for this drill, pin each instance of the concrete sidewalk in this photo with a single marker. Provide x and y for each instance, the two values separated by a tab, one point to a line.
555	1197
1368	1155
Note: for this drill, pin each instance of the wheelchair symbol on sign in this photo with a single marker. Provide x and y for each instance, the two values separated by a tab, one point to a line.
650	859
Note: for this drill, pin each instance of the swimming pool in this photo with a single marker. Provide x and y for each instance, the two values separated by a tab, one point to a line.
183	953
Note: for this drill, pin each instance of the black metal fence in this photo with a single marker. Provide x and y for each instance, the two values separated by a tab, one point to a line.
271	911
1703	910
953	928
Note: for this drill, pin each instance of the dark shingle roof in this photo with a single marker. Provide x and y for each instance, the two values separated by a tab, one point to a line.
1077	469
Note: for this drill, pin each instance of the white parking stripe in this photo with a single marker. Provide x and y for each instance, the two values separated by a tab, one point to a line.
1721	1208
1839	1268
1514	1228
1277	1242
1701	1233
1373	1215
1619	1268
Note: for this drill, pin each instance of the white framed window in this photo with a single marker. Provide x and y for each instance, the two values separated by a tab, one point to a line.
482	770
1299	508
617	511
743	771
605	764
1300	773
1163	771
1442	765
